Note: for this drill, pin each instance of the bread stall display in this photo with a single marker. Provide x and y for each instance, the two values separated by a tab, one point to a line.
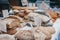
26	24
14	23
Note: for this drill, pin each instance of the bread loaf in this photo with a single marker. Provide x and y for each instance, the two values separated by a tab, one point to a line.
48	31
24	35
11	23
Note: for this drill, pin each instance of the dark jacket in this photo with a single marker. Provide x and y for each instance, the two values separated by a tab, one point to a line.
33	1
4	2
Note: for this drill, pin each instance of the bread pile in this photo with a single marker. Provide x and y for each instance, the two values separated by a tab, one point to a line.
35	33
17	20
52	14
11	23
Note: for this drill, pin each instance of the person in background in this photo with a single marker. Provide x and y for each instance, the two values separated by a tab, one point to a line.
4	4
19	3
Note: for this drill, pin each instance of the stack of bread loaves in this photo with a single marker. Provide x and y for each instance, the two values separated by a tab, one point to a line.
10	24
35	33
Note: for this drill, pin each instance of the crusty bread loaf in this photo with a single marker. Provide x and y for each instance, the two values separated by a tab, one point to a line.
11	31
10	23
13	21
48	31
48	35
24	35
